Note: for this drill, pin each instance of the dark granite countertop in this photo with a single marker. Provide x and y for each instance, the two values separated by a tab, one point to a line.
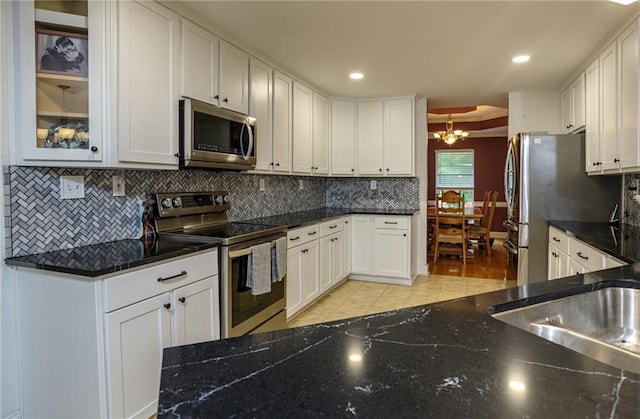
622	241
104	258
298	219
449	359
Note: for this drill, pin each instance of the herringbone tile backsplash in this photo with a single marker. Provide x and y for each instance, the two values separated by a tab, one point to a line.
37	220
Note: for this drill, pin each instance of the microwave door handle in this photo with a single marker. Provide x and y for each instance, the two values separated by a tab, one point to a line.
244	155
250	130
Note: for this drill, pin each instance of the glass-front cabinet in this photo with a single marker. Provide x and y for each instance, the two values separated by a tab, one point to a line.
61	82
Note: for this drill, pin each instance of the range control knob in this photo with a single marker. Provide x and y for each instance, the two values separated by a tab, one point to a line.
166	203
219	200
226	199
177	202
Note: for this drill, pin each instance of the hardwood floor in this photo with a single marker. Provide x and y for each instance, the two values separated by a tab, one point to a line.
481	265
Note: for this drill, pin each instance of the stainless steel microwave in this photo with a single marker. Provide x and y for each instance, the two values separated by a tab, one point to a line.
215	138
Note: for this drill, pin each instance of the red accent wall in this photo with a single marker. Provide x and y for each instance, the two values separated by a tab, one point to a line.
489	157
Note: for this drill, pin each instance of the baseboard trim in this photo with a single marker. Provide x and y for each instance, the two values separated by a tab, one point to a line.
383	279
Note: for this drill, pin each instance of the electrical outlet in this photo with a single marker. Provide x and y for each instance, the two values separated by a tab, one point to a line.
373	185
261	185
301	184
118	185
71	187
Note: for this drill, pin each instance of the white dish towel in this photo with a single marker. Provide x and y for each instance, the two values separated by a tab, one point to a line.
259	272
279	260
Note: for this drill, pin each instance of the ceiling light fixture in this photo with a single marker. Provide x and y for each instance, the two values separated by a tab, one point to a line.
450	136
520	59
624	2
356	76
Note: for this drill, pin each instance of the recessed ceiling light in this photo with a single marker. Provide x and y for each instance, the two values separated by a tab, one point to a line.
356	76
625	2
520	59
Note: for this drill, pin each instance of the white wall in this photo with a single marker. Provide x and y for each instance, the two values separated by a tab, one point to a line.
421	173
534	112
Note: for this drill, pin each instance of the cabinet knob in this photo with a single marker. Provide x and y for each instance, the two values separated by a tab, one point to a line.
167	306
225	100
182	299
387	169
216	97
616	160
94	149
278	164
177	155
404	235
353	170
380	169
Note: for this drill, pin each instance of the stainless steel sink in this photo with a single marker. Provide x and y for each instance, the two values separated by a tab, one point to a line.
602	324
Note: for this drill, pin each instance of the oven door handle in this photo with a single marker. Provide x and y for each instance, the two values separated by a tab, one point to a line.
234	254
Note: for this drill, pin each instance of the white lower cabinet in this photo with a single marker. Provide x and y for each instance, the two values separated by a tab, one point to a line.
303	276
104	336
381	248
569	256
346	259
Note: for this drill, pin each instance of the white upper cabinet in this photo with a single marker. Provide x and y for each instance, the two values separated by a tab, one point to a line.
573	106
261	108
343	137
146	66
385	137
592	113
282	111
60	109
302	129
234	78
200	52
628	150
609	108
320	134
213	70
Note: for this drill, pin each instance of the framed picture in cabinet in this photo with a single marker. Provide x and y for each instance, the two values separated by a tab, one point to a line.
63	53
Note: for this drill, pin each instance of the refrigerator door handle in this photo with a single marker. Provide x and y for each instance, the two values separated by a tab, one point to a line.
511	248
510	225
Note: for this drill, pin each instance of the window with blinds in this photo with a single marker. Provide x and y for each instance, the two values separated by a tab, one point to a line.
454	170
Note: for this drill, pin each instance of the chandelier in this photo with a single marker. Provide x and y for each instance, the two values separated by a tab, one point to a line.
450	136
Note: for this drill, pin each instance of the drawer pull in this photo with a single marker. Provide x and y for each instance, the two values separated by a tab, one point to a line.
583	257
294	238
391	222
182	300
161	279
333	226
555	239
311	233
167	306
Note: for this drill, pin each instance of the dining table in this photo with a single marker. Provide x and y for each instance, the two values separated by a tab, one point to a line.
470	213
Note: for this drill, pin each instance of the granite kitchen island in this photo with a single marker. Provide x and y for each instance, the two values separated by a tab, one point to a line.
449	359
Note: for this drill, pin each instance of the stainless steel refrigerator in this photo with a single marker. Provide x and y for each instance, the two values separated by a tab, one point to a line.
545	180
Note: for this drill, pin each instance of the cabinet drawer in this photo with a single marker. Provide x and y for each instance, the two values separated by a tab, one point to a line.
302	235
587	256
559	239
138	285
396	223
332	226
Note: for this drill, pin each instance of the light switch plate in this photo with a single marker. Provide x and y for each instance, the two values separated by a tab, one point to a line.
374	184
261	185
118	185
301	184
71	187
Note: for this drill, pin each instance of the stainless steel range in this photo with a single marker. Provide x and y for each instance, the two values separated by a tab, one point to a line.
204	216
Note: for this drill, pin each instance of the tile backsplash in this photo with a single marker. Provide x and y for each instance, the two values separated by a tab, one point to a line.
631	214
37	220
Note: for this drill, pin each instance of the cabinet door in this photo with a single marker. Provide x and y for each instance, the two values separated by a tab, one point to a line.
574	268
234	78
628	70
294	280
197	312
552	258
343	137
337	255
310	271
261	108
47	101
370	138
398	137
578	103
281	122
346	258
136	336
361	250
320	134
326	263
609	108
147	48
592	113
302	129
566	114
200	51
391	253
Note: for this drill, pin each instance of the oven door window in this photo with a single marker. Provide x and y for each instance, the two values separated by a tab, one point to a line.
244	305
215	134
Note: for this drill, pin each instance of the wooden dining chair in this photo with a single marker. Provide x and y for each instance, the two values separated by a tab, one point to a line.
482	232
450	235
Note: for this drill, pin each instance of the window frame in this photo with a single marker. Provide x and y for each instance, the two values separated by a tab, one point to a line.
467	191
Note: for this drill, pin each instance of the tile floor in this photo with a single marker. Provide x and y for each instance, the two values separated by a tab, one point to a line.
357	298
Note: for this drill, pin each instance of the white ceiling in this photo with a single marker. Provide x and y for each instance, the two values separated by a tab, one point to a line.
454	53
